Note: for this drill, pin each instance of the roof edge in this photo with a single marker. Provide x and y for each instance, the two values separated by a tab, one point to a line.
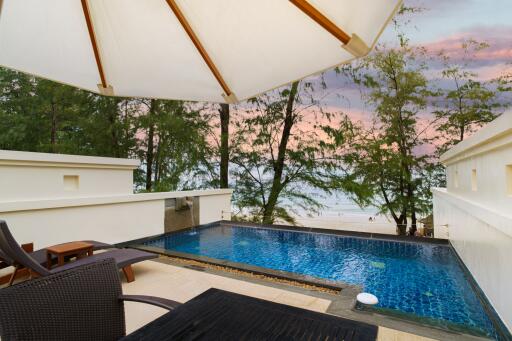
493	131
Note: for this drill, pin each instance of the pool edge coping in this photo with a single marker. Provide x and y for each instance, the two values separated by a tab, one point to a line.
302	279
316	230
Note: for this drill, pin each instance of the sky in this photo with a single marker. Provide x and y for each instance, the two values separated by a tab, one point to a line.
442	25
444	18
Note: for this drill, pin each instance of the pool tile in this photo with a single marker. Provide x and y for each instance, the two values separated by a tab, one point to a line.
419	279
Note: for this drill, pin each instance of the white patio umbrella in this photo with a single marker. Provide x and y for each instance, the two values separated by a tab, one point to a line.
204	50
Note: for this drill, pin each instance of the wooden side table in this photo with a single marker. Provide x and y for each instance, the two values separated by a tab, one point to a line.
78	249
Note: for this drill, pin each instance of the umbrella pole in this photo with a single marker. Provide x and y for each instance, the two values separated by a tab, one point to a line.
104	88
353	44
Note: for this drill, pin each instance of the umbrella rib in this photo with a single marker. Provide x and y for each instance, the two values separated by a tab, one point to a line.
322	20
199	46
92	36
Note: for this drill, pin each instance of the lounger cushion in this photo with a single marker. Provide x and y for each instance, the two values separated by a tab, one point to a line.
99	245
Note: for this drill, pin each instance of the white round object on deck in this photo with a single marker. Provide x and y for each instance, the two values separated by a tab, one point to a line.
367	298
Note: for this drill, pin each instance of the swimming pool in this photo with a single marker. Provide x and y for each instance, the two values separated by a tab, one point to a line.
419	280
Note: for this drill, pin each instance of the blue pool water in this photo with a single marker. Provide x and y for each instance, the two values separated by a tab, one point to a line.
413	279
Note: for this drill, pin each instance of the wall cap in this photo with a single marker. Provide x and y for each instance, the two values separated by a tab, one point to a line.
17	158
44	204
495	130
500	221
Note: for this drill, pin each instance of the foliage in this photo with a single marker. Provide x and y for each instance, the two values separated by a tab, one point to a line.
42	116
388	162
277	152
106	126
35	114
504	81
469	103
174	140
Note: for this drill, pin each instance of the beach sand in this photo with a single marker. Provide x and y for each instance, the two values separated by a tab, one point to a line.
350	222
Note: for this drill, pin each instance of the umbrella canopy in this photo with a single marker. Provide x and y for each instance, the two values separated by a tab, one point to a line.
203	50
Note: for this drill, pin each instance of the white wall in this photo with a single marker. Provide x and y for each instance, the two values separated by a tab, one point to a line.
46	182
214	208
29	176
475	210
485	250
40	208
491	177
489	154
110	219
110	223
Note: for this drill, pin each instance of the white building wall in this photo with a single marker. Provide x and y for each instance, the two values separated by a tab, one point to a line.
110	223
485	250
46	182
40	204
482	176
29	176
211	206
475	210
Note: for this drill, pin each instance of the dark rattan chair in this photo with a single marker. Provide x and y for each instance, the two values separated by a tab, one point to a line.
84	303
124	258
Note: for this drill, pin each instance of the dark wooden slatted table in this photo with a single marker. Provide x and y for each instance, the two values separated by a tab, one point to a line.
222	315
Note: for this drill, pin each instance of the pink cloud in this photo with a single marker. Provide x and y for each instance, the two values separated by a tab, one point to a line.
499	39
493	71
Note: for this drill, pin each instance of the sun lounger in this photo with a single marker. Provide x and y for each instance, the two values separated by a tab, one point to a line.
12	250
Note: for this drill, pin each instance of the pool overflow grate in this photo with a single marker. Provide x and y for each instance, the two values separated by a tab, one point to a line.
250	274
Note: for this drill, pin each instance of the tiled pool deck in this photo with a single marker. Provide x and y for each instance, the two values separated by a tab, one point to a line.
168	279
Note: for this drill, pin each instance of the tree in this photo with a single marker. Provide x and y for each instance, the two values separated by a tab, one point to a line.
17	121
149	122
469	103
504	81
105	126
224	145
56	105
169	137
37	114
174	145
388	164
277	152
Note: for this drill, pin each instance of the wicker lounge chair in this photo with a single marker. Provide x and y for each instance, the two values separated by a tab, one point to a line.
14	252
83	303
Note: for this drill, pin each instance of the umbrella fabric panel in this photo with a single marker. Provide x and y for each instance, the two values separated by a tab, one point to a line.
365	18
48	38
146	52
260	45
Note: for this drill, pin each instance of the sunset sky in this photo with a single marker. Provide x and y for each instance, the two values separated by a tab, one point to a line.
443	25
